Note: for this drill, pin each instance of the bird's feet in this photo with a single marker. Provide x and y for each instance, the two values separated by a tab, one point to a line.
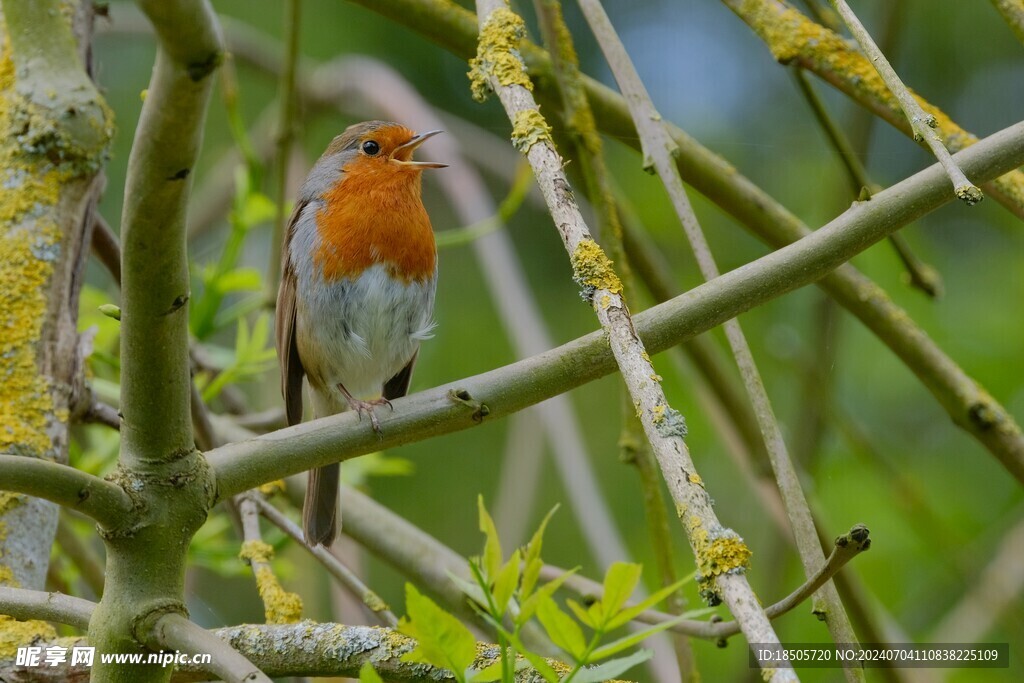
366	408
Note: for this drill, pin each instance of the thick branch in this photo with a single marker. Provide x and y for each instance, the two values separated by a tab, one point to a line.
176	632
76	490
1013	13
497	393
154	316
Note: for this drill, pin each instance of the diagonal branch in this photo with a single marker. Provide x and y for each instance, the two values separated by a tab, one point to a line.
241	466
922	125
175	632
658	148
969	405
722	557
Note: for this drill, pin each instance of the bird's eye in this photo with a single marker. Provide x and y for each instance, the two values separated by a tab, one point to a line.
371	148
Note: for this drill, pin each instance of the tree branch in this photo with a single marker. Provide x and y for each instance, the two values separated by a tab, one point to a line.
345	576
968	404
154	324
461	405
922	125
1013	12
793	38
176	632
26	605
101	500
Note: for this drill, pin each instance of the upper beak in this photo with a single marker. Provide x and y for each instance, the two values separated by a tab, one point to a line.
411	146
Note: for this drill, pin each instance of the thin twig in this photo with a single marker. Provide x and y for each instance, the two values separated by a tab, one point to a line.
721	554
285	136
922	275
846	547
338	570
921	124
106	246
658	148
175	632
102	413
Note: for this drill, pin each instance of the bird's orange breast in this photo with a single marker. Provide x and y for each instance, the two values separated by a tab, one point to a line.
374	214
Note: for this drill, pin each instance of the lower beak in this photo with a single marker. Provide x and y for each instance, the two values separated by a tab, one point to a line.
411	146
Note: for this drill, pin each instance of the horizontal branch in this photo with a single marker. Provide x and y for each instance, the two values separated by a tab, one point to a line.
26	605
76	490
461	405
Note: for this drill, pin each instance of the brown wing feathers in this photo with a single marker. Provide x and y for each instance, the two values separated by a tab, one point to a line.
292	371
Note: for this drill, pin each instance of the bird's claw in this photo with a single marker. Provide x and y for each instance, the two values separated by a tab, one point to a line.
366	407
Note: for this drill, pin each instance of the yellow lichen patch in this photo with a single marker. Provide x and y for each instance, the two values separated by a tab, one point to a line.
695	479
719	551
606	301
279	606
658	413
593	270
9	501
272	487
529	128
15	634
497	54
26	404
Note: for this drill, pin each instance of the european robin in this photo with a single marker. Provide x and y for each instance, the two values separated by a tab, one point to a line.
357	291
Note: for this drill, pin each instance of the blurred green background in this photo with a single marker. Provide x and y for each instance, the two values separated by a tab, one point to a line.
712	76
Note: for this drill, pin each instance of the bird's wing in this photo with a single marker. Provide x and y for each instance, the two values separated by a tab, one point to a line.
398	386
284	327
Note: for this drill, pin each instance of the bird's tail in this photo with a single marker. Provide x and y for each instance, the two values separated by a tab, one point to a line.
320	509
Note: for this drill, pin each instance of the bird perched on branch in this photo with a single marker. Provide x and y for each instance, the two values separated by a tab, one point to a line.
357	291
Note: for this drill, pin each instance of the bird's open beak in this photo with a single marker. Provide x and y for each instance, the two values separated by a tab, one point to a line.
403	153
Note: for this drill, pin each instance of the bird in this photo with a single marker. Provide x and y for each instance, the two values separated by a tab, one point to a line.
356	298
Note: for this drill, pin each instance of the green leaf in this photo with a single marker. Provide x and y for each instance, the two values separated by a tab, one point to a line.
612	668
529	606
488	674
531	560
619	583
505	583
244	279
367	674
491	559
539	664
633	638
563	631
581	613
441	639
473	591
256	208
630	613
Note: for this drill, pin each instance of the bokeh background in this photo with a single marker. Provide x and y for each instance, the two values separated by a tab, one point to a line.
937	504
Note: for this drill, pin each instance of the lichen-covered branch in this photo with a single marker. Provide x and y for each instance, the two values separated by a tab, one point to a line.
54	133
497	393
345	576
658	149
968	404
922	125
722	557
794	39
